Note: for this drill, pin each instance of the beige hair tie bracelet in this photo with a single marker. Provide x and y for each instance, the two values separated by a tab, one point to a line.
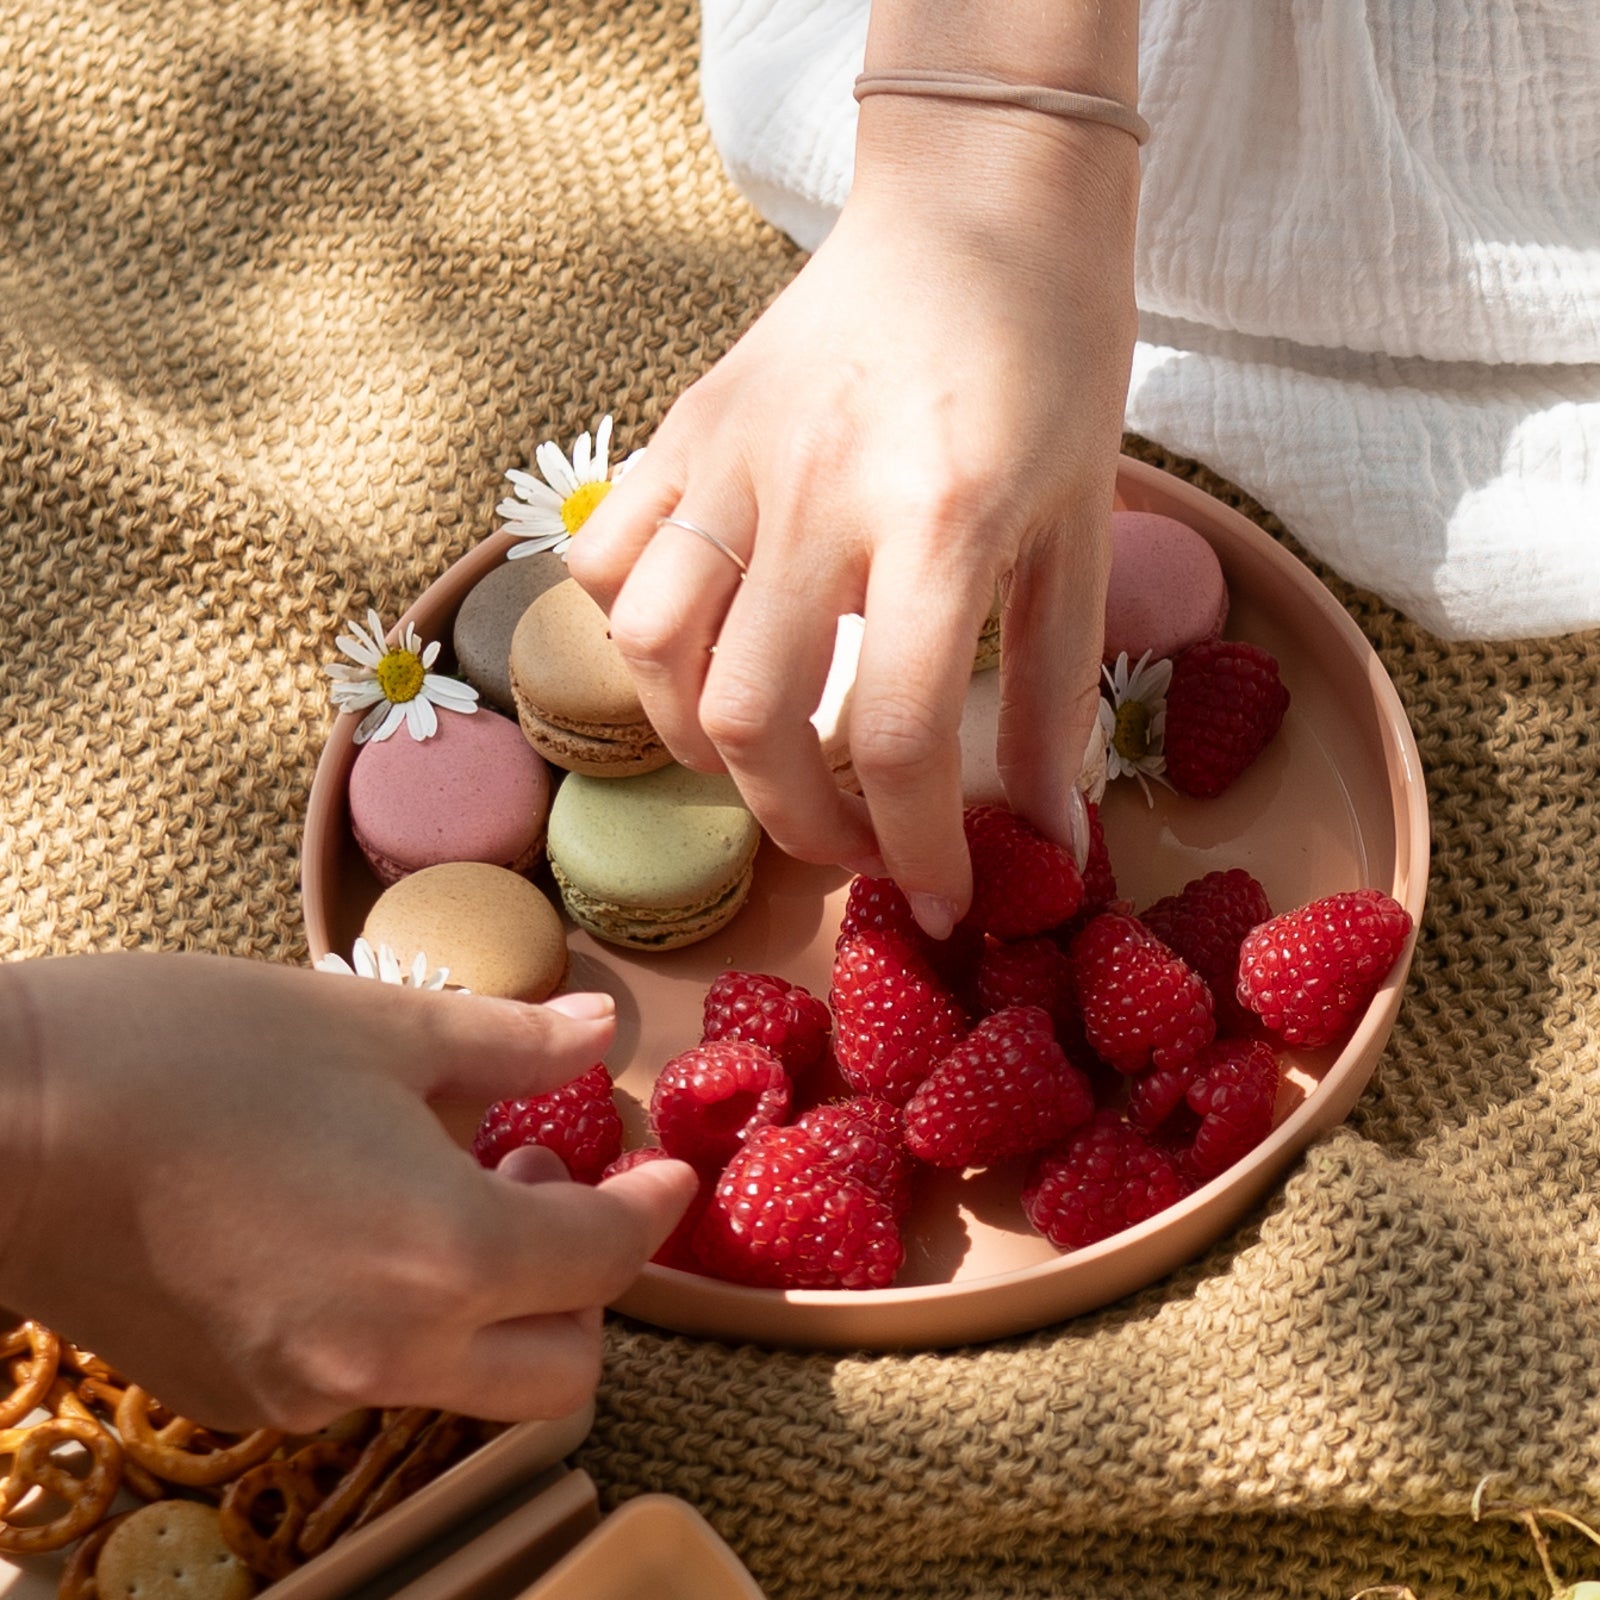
1027	96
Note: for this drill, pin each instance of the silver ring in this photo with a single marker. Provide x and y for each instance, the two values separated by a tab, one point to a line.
711	539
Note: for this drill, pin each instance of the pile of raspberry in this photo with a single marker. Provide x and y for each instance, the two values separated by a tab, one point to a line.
1118	1059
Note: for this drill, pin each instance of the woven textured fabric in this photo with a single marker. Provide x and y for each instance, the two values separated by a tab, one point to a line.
284	289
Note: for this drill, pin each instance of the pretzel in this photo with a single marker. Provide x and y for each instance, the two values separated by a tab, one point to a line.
33	1376
76	1359
264	1510
435	1448
77	1581
67	1400
396	1435
182	1451
85	1497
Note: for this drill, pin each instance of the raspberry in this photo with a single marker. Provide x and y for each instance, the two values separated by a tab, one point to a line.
866	1137
1234	1090
1153	1096
1203	924
879	905
1142	1005
677	1249
1099	879
708	1100
1224	705
579	1121
1022	882
784	1215
893	1020
772	1012
1309	972
1105	1177
1006	1090
1031	972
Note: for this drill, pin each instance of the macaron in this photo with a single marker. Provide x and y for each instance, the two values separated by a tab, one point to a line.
652	862
493	931
489	616
475	791
575	700
1166	590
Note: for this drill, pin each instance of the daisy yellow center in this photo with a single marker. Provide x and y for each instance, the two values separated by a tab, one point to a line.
576	508
1131	738
400	676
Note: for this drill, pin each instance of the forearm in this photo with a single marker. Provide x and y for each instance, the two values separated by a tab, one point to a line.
1087	45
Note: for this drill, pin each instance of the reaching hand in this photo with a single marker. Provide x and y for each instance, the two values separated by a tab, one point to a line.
223	1176
931	409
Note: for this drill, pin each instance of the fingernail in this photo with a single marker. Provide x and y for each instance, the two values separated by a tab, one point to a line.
1078	821
935	915
584	1007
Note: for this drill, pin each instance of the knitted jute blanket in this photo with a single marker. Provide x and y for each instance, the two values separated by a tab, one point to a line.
284	289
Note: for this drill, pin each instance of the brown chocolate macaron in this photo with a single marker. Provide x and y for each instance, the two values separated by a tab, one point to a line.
576	703
489	616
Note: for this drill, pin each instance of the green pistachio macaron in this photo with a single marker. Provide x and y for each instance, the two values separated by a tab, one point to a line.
652	862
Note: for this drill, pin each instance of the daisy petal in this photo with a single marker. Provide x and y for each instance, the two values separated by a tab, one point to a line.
557	469
422	721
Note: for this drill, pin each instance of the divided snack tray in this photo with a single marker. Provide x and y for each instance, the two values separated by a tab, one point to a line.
1337	802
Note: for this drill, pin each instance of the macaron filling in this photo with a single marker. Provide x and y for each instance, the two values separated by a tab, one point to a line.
652	927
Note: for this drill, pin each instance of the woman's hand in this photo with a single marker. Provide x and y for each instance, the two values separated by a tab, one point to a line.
930	410
224	1177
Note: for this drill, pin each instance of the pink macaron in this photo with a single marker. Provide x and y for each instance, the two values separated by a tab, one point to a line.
1166	592
475	791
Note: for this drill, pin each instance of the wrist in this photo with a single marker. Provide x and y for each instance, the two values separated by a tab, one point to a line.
21	1125
998	182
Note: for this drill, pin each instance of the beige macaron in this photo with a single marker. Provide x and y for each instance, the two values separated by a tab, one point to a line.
171	1550
489	928
575	700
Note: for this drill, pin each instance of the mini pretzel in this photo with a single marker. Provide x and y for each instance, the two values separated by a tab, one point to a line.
436	1447
76	1359
393	1439
85	1498
264	1510
77	1576
65	1400
33	1376
182	1451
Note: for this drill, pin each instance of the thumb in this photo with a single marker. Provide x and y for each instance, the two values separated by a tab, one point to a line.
472	1047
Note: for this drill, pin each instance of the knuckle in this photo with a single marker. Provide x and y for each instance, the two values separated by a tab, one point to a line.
897	740
643	633
738	715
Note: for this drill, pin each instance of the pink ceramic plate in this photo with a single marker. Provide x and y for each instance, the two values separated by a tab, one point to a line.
1336	803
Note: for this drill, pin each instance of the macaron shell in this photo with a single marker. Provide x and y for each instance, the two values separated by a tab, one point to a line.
489	616
475	791
574	696
494	931
1166	590
662	857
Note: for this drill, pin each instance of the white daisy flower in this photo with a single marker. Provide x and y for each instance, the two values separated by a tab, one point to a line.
548	511
1134	720
394	681
384	965
1096	759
